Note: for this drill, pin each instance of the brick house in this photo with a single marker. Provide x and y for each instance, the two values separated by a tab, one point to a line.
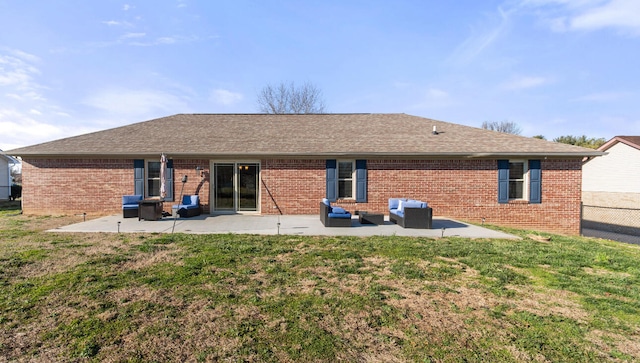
258	163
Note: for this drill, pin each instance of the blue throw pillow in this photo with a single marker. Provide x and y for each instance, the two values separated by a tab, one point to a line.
326	202
414	204
393	202
338	210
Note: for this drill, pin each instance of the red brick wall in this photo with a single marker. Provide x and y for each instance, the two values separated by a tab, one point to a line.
459	189
95	186
297	186
197	181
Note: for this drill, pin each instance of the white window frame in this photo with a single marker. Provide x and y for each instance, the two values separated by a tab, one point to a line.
525	179
147	178
353	179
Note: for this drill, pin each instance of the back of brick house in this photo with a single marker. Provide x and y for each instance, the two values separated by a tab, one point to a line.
459	187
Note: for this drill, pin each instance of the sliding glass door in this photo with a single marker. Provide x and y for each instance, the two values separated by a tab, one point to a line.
236	186
247	187
224	187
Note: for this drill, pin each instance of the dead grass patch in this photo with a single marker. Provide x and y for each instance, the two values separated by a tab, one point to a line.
544	302
626	344
64	256
45	223
141	260
605	272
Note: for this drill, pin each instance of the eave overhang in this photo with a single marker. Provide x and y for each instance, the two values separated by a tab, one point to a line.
324	155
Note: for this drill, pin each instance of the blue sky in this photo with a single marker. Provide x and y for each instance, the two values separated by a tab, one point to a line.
554	67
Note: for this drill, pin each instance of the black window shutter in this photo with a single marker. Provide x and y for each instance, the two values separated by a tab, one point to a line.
332	180
503	181
169	180
138	177
361	181
535	181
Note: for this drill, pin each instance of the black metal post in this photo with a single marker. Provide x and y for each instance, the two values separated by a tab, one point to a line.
184	181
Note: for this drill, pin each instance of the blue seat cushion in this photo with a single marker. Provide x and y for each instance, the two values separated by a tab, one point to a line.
403	203
185	206
191	200
415	204
340	215
188	202
131	201
393	202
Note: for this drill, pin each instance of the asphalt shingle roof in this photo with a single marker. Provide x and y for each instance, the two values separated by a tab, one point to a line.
384	135
633	141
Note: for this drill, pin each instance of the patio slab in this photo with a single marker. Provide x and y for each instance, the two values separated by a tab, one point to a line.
273	224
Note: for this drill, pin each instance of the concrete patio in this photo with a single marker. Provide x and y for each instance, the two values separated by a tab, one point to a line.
274	224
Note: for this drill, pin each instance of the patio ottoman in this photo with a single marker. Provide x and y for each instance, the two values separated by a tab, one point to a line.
370	218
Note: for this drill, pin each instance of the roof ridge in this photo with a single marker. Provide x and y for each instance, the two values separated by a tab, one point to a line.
633	141
253	135
287	114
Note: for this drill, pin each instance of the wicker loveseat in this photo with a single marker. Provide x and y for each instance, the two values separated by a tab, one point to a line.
130	205
189	207
409	213
333	216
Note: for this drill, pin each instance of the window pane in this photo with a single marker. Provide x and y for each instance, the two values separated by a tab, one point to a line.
345	189
153	187
247	186
345	170
516	170
224	186
515	189
154	169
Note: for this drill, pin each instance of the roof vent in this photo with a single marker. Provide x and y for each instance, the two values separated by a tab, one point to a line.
435	131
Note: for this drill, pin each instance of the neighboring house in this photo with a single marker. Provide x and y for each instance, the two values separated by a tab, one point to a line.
611	187
259	163
6	163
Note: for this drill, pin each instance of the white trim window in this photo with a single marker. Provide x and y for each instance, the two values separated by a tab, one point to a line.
152	178
518	180
346	179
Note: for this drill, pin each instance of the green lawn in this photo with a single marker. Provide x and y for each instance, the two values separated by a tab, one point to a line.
150	297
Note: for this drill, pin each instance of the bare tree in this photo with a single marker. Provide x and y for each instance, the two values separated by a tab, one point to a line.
508	127
287	98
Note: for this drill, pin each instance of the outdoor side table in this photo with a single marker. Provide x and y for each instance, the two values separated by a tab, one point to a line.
150	209
371	218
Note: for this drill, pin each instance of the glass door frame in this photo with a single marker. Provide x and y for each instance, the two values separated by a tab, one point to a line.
236	183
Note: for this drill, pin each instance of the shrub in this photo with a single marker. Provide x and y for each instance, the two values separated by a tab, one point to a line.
16	191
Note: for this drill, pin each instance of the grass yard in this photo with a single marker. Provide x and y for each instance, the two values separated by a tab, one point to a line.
200	298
